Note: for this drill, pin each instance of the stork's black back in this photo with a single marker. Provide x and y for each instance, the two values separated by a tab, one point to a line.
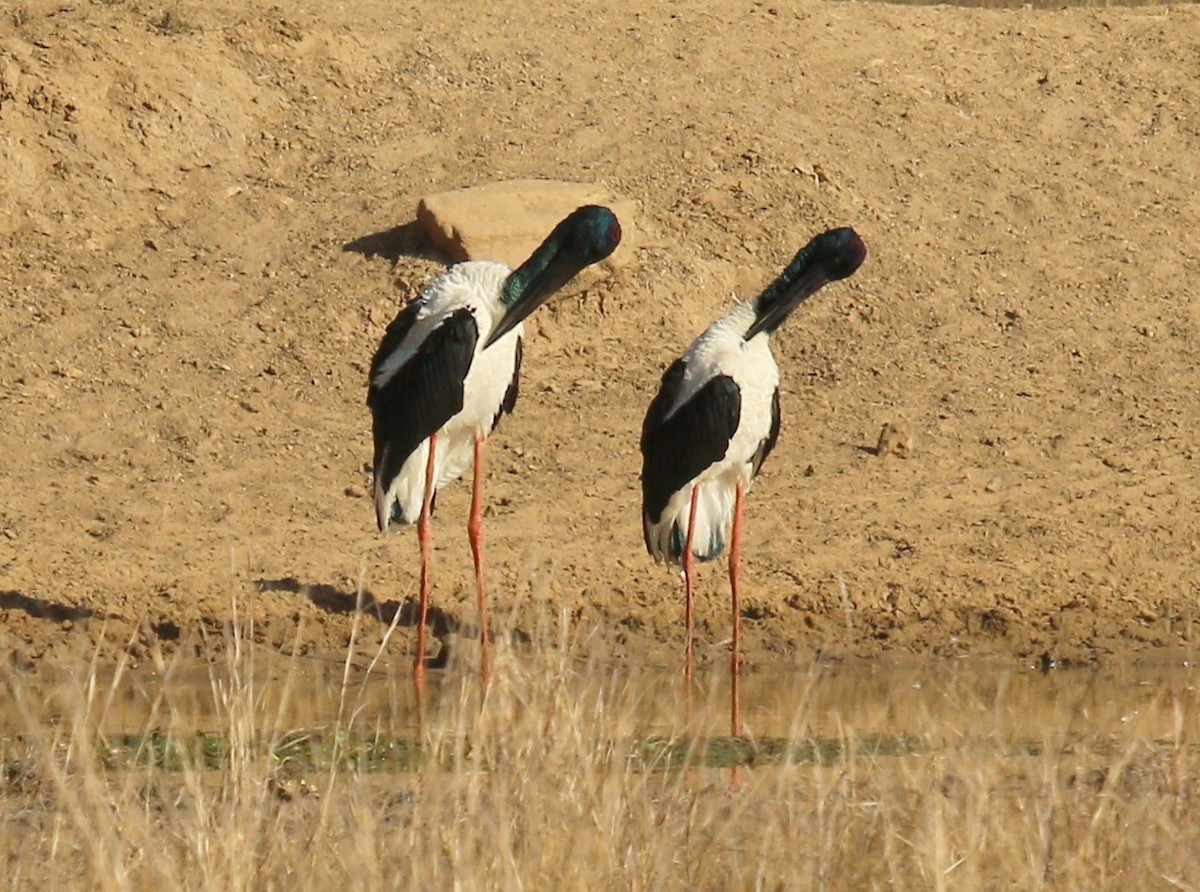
677	448
424	393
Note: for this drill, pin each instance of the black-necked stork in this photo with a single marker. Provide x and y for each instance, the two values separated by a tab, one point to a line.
446	370
716	419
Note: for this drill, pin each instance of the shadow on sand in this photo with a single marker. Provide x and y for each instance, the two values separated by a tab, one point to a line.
338	601
48	610
406	240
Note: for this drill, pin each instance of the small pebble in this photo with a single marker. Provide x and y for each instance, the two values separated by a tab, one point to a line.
894	440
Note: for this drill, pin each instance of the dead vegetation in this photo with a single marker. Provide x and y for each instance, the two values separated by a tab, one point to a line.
576	775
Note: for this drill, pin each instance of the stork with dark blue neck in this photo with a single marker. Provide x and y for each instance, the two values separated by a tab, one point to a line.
446	370
714	422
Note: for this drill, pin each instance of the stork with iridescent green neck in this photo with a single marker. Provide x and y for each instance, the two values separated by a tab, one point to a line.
715	420
446	370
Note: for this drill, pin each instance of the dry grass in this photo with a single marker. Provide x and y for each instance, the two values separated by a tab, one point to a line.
577	775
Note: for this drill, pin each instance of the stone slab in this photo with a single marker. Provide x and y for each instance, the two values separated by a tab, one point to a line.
507	220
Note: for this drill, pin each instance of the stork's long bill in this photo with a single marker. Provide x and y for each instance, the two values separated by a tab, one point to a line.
830	256
587	236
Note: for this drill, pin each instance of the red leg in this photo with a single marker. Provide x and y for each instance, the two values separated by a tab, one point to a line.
426	537
735	571
475	532
689	567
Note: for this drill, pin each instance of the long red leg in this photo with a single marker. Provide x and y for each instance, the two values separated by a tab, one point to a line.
735	572
689	567
475	532
425	534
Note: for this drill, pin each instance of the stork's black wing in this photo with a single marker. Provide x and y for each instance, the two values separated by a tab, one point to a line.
514	388
424	393
677	449
396	330
765	447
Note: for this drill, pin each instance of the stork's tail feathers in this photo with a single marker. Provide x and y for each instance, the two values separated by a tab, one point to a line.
389	512
400	484
389	505
666	536
399	487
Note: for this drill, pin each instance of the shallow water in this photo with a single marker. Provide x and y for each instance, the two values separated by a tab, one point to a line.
937	702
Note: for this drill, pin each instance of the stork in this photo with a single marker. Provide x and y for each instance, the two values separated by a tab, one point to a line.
714	422
445	371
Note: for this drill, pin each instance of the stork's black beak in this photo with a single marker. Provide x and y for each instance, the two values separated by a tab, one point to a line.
586	236
774	312
560	269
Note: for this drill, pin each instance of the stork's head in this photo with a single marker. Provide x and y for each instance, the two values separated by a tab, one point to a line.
841	250
589	233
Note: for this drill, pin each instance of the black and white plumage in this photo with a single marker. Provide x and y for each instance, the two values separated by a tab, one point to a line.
716	419
432	375
448	367
713	423
716	416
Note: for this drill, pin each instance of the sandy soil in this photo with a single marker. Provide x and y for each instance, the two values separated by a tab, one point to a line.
207	220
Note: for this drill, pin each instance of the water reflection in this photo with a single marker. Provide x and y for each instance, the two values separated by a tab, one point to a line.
940	702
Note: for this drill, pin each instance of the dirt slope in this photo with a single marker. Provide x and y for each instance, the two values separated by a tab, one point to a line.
184	333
